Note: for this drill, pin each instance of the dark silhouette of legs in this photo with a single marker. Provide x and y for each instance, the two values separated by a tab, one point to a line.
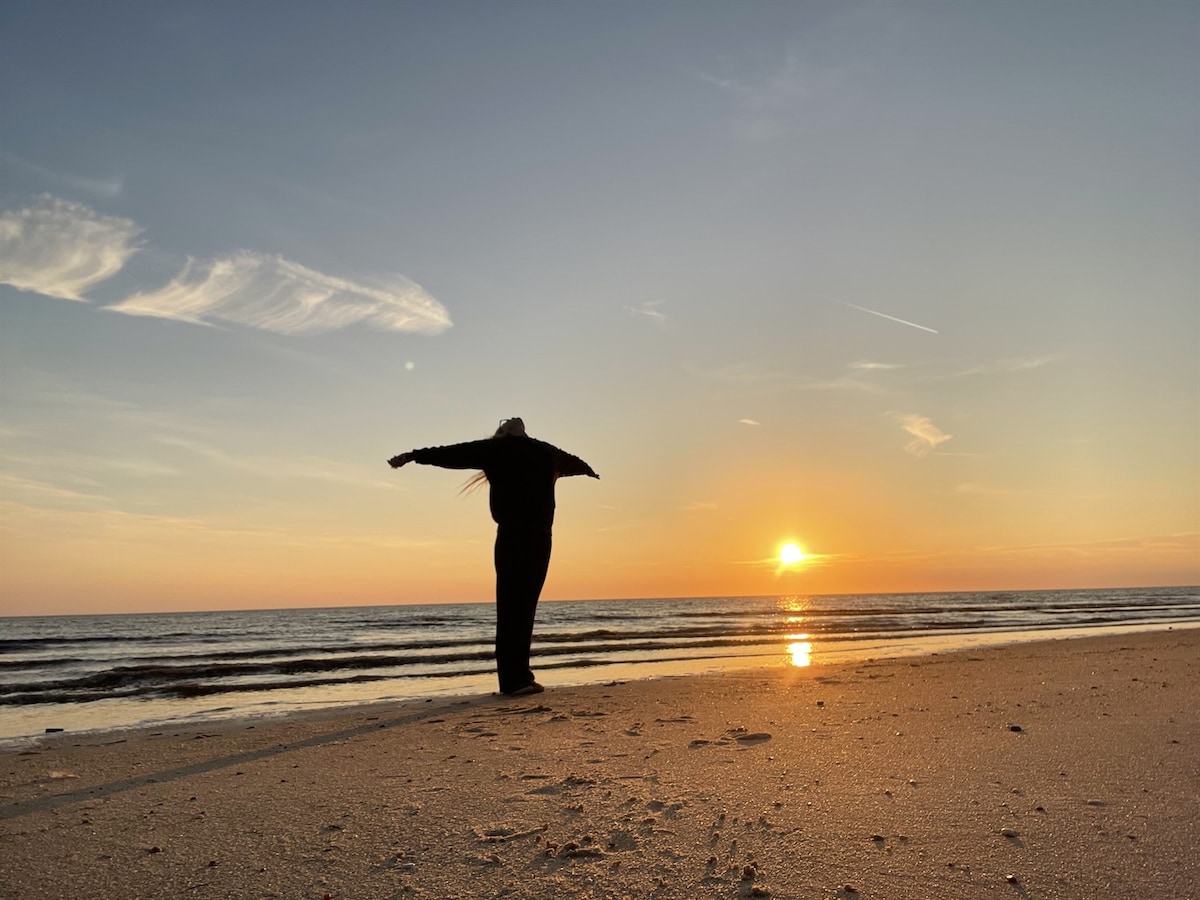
522	560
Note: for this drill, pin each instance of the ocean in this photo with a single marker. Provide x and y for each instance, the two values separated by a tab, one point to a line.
82	673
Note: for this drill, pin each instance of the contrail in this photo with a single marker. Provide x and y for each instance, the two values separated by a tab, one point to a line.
886	316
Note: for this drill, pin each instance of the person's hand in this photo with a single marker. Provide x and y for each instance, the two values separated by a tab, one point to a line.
397	461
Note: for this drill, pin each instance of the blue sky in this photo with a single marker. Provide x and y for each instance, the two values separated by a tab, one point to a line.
249	251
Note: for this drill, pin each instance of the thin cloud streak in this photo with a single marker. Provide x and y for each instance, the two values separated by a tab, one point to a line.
45	491
1017	364
275	294
1006	366
307	468
810	560
751	376
79	462
1186	543
61	249
890	318
648	311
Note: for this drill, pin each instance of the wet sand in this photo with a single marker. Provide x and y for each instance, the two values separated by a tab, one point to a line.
1058	769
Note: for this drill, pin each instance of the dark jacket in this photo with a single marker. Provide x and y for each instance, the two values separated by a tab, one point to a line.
520	470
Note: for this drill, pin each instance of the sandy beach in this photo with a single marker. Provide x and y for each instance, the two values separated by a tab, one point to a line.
1056	769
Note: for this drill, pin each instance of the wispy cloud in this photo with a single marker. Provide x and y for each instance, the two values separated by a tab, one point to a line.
936	370
1187	542
301	467
278	295
751	375
44	492
749	422
810	560
699	506
1012	364
926	435
84	465
105	188
948	369
61	249
649	310
775	96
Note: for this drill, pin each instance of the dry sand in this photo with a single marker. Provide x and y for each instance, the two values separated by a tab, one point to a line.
1061	769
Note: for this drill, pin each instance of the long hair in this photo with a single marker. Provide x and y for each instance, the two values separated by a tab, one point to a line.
513	426
474	483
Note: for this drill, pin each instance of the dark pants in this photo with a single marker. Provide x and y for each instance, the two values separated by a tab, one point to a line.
522	560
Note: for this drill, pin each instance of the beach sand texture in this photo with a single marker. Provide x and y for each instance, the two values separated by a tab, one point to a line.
1059	769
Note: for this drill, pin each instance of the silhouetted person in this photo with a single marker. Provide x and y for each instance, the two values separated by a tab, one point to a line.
521	472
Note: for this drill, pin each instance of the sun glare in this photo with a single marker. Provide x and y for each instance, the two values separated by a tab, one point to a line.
790	555
800	652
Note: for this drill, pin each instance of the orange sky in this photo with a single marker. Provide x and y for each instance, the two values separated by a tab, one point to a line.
95	561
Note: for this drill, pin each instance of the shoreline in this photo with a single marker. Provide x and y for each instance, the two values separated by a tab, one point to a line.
1070	765
822	653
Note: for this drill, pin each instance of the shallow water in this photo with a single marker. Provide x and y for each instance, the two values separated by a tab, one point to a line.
99	672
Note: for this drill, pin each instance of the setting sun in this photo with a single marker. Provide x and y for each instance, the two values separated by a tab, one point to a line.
790	554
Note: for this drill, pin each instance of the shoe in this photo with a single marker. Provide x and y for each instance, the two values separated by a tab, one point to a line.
532	688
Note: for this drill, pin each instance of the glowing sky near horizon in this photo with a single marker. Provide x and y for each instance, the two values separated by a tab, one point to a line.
912	285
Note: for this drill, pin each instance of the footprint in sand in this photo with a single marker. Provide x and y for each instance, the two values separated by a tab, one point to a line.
754	737
669	810
623	841
738	736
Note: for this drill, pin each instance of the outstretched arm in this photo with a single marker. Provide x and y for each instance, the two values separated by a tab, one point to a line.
471	455
567	464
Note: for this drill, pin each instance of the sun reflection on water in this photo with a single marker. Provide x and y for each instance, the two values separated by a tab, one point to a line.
800	651
794	604
800	647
